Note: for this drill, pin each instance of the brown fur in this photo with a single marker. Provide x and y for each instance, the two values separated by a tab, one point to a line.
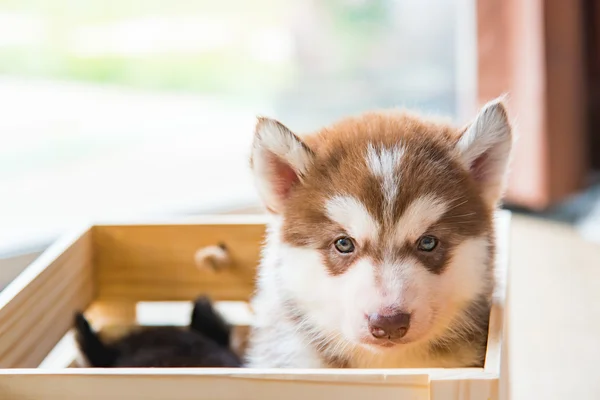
340	166
460	169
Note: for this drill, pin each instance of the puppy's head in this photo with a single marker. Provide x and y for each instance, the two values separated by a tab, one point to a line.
384	233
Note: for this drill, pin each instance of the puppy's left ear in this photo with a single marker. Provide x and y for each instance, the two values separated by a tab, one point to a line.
485	148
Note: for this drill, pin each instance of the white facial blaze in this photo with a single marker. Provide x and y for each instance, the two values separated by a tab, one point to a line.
391	285
395	281
331	302
351	214
383	163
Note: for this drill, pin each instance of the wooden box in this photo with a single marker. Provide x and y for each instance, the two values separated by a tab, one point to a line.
108	270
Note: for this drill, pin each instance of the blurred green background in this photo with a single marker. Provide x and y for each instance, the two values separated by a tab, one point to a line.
191	45
119	108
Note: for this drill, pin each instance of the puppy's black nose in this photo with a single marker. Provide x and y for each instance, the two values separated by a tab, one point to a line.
389	326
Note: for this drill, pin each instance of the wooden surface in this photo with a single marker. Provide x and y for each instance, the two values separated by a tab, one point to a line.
64	355
464	389
36	308
216	384
156	261
533	50
107	312
554	313
160	256
498	311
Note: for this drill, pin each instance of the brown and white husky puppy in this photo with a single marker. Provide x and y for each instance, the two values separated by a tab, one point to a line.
381	250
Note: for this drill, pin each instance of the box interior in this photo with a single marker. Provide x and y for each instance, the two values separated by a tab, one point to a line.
127	275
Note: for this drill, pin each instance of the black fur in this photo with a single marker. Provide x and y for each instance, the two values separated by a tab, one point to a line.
208	322
205	343
97	353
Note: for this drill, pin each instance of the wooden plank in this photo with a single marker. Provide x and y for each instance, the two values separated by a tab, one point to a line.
156	261
464	389
505	382
201	387
497	315
201	384
383	376
107	312
36	308
60	284
63	355
36	273
32	349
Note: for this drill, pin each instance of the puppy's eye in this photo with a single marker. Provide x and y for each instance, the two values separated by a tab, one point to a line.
427	243
344	245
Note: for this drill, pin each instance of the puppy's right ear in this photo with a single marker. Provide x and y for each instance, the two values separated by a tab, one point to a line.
485	148
279	161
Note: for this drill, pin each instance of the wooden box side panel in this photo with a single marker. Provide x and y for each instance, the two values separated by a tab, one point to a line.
231	383
155	262
208	384
485	388
498	311
37	307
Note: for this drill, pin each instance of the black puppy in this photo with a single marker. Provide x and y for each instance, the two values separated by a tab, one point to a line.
205	343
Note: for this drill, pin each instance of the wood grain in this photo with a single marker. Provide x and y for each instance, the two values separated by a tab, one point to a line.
156	261
223	383
36	308
464	389
106	312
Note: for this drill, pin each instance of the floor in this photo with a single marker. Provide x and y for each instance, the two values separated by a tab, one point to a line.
553	309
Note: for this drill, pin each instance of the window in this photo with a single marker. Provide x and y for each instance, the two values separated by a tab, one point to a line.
115	109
